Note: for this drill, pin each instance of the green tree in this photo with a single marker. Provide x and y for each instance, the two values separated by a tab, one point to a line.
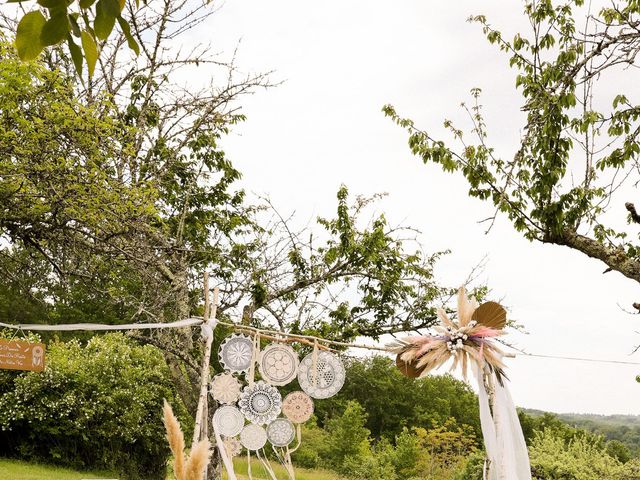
116	197
394	402
348	437
576	155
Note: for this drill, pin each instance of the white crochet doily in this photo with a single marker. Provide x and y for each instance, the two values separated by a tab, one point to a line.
281	432
297	407
225	388
233	446
278	364
236	353
253	437
260	403
329	377
228	421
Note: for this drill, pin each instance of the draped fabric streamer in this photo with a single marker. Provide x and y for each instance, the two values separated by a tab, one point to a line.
470	341
506	449
224	455
267	466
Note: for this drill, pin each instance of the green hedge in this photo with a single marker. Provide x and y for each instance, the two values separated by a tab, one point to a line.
95	406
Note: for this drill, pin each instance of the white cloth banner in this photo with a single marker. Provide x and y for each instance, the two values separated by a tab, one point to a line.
503	438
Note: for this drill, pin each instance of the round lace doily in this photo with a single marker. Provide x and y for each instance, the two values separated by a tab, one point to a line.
278	364
260	403
233	446
228	421
225	388
281	432
297	407
235	353
329	378
253	437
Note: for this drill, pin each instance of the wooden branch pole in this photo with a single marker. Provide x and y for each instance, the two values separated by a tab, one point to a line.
202	415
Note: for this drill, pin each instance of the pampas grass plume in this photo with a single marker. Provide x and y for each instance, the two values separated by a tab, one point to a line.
176	440
198	460
194	466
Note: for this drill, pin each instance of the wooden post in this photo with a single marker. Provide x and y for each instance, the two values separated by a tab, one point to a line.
202	416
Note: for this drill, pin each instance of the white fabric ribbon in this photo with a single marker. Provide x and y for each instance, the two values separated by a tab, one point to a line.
506	449
226	461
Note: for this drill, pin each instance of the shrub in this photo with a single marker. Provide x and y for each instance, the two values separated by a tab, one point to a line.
94	406
580	458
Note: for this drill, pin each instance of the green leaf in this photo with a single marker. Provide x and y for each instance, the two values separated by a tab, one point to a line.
76	55
86	3
126	29
112	7
53	3
105	19
28	33
75	27
90	51
56	28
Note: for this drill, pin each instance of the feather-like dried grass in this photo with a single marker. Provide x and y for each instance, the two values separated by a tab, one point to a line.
466	307
176	440
198	460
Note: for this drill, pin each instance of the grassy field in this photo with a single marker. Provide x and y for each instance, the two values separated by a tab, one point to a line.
258	472
16	470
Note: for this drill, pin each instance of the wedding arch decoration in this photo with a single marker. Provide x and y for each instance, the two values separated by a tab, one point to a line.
469	340
470	343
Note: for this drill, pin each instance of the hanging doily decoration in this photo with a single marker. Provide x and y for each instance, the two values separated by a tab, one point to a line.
326	380
278	364
253	437
281	432
233	446
225	388
236	353
260	403
297	407
469	342
228	421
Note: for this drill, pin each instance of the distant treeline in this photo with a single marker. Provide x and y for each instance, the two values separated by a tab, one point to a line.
621	428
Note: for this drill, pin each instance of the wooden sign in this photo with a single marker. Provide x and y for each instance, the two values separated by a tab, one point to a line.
20	355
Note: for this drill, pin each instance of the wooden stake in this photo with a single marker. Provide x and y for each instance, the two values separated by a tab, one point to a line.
201	427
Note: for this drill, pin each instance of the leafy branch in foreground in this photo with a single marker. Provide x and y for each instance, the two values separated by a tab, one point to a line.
576	156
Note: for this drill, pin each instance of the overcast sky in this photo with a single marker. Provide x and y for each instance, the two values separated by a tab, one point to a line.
341	61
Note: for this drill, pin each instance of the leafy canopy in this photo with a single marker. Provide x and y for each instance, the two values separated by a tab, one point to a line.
576	155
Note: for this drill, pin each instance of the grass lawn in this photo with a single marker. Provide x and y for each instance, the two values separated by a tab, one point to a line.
258	472
17	470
